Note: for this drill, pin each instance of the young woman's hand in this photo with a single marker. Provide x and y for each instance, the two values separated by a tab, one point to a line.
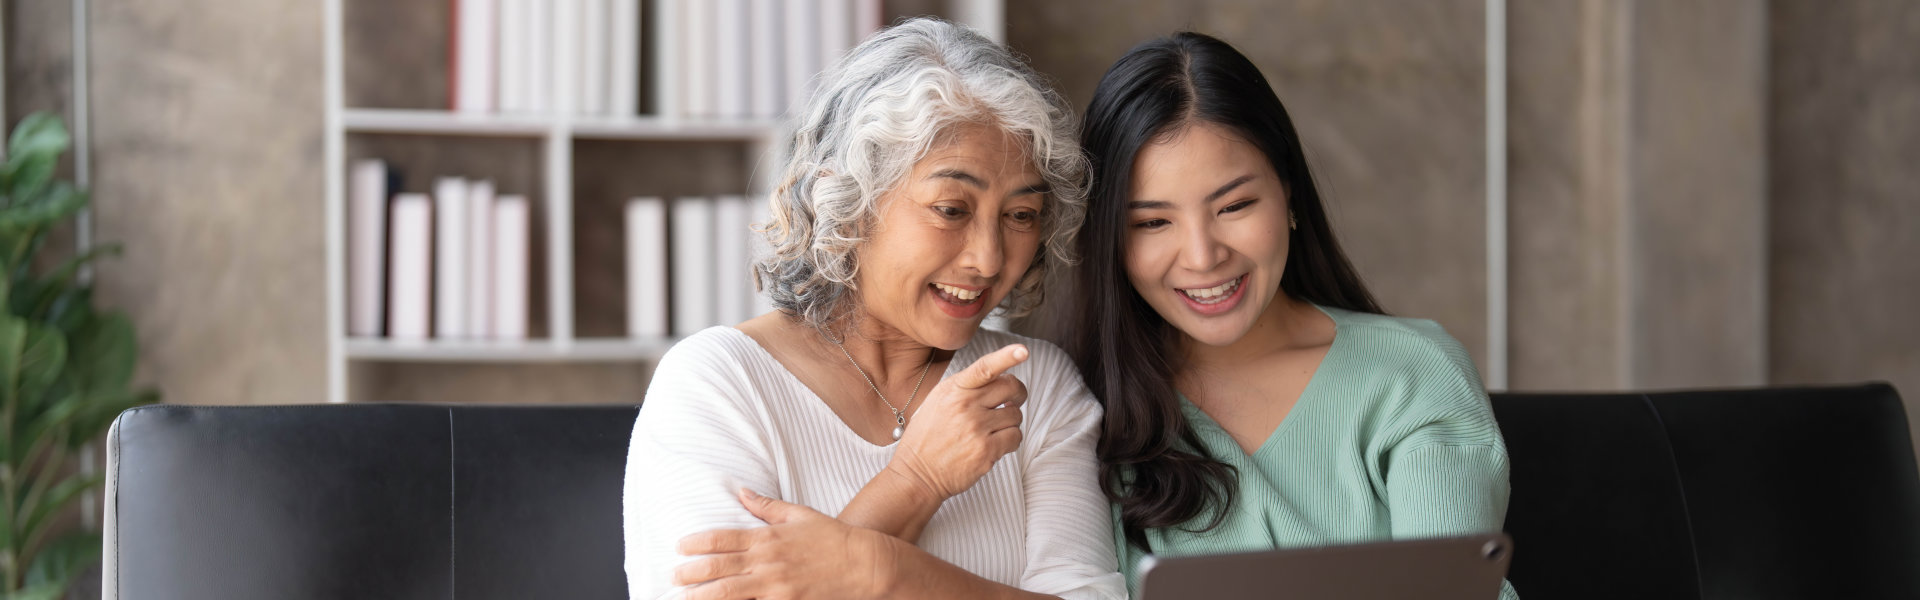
800	555
965	425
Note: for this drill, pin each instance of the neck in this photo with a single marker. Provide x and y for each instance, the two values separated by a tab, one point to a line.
886	354
1281	326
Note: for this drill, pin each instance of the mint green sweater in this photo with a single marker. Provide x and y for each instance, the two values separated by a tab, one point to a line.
1393	438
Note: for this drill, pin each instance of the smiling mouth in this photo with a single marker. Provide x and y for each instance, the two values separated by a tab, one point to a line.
1216	294
956	295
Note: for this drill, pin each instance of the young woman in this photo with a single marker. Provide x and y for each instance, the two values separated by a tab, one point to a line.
1256	395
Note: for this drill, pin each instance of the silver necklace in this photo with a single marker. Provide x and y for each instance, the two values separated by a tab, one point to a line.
899	414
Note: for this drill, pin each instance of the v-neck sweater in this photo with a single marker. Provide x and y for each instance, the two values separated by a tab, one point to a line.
1392	438
721	414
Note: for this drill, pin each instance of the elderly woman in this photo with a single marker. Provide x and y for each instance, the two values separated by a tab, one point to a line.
933	178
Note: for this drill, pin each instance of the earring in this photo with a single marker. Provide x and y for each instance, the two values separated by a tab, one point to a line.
1292	224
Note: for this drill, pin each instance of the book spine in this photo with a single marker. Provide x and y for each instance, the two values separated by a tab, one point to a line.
867	19
733	72
539	32
474	60
836	30
590	90
624	67
646	268
764	43
732	287
510	261
479	259
693	265
510	30
669	56
802	41
697	45
408	280
450	258
366	248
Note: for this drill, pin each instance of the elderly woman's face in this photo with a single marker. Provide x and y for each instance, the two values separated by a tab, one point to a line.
954	237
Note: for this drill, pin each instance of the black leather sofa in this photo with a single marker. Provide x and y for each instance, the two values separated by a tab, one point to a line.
1747	494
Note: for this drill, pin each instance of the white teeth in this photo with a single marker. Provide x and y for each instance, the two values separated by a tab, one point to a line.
962	294
1213	294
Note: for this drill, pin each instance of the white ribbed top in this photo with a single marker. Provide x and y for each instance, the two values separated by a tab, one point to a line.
721	414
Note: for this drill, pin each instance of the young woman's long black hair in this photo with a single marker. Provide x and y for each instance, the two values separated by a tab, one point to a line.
1152	462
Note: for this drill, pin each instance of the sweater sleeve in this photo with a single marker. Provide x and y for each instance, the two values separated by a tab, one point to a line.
1448	474
1070	551
698	439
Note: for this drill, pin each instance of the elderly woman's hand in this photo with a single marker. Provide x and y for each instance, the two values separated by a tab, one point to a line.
799	554
965	425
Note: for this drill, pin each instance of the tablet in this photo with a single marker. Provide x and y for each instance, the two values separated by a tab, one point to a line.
1462	568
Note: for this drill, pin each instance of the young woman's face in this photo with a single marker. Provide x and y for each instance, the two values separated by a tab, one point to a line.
1206	240
953	237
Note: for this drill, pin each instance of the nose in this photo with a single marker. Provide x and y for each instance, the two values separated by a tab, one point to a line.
984	253
1201	250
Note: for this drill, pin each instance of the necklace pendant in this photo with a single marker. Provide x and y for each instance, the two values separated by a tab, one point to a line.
897	431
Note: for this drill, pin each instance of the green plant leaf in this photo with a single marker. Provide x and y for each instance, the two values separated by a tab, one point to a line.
104	352
41	134
42	360
39	210
63	561
44	591
27	177
56	499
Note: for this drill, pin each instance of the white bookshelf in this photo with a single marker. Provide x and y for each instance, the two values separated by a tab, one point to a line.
556	133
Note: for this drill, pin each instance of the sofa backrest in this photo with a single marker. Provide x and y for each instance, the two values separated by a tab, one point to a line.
366	501
1750	494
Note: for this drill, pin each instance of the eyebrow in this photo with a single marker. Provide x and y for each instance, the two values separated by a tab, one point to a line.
977	183
1156	204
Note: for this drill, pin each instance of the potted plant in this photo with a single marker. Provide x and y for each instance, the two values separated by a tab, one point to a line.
66	371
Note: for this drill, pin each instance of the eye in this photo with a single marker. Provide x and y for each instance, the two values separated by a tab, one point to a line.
1151	224
1023	220
951	213
1237	206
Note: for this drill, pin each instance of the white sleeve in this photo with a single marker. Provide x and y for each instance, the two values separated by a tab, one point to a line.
1069	521
699	438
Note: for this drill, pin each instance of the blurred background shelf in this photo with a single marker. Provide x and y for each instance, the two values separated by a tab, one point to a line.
442	122
387	93
526	351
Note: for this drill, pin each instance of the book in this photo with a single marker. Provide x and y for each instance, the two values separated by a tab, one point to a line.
450	258
732	287
473	57
764	41
693	265
646	221
836	31
665	41
539	64
801	36
366	248
868	16
479	258
590	82
511	226
624	64
699	83
732	69
408	279
510	30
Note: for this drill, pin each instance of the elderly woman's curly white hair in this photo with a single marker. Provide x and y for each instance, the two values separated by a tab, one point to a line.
876	113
